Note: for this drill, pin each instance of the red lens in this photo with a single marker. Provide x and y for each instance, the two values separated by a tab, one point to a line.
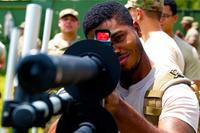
103	36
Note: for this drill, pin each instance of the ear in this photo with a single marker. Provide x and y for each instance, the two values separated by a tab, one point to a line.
175	18
59	23
139	14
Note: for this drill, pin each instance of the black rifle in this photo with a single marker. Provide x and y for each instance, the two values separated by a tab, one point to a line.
89	71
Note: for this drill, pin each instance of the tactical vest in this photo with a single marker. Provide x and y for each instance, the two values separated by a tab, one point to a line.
153	97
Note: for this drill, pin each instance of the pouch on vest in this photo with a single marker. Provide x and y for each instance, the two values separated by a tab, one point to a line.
153	97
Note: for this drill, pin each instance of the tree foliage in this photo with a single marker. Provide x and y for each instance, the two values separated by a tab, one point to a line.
188	4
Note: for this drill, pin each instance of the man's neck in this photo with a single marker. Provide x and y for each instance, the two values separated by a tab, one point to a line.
170	33
136	74
70	37
148	27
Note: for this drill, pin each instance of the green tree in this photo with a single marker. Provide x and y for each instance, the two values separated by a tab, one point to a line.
188	4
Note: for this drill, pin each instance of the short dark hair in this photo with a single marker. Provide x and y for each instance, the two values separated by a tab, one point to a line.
106	11
172	5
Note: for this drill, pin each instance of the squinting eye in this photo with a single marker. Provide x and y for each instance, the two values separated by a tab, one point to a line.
118	39
165	15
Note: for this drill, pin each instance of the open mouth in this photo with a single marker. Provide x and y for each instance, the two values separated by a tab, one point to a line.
123	58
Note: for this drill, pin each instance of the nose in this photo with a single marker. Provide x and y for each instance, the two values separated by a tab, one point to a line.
117	50
161	20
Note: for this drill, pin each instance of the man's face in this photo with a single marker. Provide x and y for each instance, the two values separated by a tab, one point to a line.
185	25
68	24
124	41
168	19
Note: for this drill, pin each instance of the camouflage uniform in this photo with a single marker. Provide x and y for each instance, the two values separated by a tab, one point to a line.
58	45
152	5
192	36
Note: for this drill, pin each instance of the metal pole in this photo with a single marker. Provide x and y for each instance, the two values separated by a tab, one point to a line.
12	60
31	31
32	23
47	30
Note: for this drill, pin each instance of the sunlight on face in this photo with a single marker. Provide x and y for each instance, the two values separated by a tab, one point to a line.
167	19
124	41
